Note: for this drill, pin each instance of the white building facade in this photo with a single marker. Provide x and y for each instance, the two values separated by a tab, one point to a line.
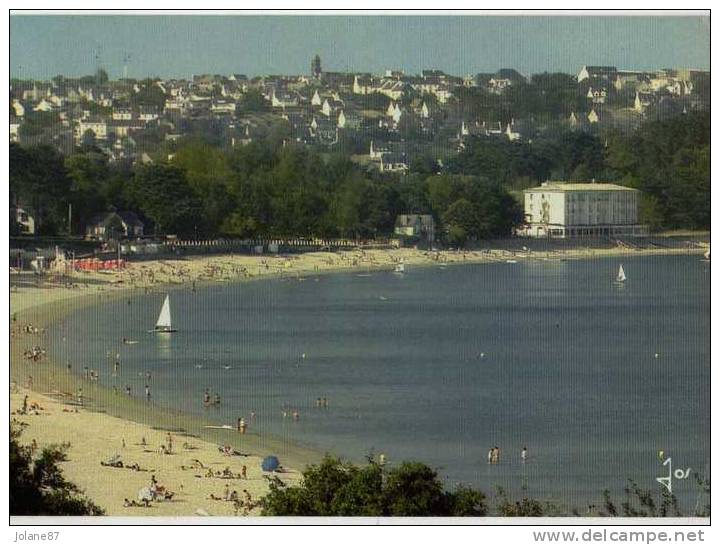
581	209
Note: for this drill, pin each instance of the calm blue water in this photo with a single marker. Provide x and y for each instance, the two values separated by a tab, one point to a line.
440	365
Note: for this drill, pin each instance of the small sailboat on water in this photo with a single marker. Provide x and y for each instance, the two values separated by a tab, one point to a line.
621	275
164	321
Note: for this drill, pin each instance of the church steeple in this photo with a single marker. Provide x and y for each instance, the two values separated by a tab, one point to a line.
316	68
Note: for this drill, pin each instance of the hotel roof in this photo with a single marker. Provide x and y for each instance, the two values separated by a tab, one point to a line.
578	186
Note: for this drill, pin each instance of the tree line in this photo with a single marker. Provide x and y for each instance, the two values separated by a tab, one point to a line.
257	190
668	161
270	189
336	487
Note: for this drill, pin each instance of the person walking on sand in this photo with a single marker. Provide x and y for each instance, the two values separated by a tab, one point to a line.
497	455
491	455
242	426
243	472
80	396
147	392
523	455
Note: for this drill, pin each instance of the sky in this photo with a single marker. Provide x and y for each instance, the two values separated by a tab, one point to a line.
42	46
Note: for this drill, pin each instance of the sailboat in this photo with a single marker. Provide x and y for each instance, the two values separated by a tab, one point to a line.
164	321
621	275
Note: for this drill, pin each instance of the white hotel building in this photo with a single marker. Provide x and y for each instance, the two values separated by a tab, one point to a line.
581	209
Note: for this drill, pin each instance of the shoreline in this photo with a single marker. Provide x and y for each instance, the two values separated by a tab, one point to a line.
32	306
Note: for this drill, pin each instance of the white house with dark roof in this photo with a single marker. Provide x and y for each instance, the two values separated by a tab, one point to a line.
114	225
415	226
14	129
97	125
607	73
597	95
122	114
643	101
18	108
593	116
393	162
24	221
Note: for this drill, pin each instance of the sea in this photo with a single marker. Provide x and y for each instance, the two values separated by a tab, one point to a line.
602	382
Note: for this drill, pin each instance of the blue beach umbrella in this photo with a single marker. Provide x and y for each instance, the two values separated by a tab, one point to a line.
270	463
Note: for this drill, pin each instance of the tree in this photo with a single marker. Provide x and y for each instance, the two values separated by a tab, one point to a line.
101	76
253	101
639	502
150	94
472	208
88	173
339	488
669	161
37	485
38	180
163	194
414	490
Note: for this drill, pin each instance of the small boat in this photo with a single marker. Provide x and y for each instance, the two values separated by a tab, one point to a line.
164	322
400	268
621	275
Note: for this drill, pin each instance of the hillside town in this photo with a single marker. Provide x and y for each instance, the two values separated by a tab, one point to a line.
382	121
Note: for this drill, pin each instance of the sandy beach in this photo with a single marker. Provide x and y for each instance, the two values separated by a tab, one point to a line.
97	430
190	472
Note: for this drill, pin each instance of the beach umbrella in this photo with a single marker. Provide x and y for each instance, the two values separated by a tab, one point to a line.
270	463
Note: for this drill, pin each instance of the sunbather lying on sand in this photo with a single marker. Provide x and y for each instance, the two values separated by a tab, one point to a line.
114	461
133	503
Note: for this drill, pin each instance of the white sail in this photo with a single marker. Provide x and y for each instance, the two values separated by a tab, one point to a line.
164	320
621	275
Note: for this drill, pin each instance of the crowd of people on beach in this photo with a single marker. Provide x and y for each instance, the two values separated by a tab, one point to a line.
29	407
242	506
155	492
33	330
35	353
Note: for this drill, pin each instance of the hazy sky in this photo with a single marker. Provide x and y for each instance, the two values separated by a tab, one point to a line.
42	46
